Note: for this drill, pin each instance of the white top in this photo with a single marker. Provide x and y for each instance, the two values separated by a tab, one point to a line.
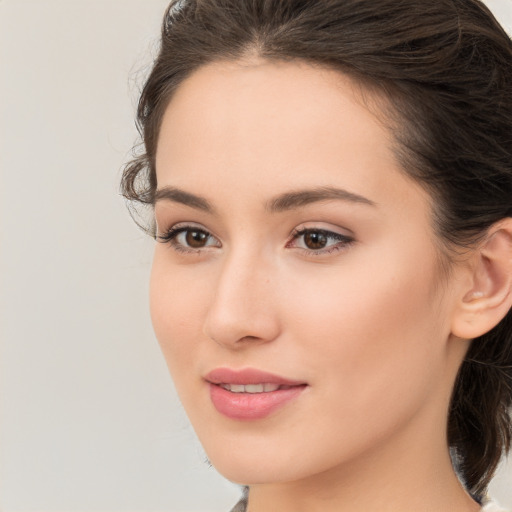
492	506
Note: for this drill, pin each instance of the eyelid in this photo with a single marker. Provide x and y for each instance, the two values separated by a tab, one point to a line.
323	226
180	225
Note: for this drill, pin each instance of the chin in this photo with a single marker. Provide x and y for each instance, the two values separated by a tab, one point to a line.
253	474
249	466
255	465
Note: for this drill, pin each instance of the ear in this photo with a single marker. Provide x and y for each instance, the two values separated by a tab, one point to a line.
488	297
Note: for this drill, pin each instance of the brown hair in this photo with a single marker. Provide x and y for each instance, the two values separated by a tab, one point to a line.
445	66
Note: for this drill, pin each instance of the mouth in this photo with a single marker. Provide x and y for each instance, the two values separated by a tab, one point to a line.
250	394
253	388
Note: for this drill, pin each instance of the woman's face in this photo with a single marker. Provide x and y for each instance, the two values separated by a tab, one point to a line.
291	243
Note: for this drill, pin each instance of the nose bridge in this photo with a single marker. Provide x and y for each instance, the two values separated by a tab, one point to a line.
242	305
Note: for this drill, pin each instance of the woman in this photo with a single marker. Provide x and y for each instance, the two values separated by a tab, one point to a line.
331	185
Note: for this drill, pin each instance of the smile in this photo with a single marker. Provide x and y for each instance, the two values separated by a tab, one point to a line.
250	394
252	388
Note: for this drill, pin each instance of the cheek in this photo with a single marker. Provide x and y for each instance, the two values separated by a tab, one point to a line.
177	303
369	331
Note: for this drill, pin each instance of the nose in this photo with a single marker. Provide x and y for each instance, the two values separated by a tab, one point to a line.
243	309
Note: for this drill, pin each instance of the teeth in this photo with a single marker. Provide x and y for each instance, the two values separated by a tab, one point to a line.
250	388
254	388
237	388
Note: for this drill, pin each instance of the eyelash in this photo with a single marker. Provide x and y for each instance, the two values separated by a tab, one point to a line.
343	241
169	237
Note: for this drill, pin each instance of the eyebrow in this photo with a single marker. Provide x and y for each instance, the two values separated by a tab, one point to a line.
283	202
296	199
180	196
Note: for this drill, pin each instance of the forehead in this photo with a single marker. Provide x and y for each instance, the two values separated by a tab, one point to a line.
276	92
250	115
244	132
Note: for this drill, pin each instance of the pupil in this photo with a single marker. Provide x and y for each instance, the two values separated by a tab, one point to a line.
196	239
315	240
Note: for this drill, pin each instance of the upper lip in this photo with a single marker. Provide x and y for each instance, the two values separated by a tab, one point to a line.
248	376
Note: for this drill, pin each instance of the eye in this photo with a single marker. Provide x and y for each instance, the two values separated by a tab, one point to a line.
188	238
319	241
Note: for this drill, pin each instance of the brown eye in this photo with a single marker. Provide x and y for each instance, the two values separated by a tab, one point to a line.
196	239
189	238
320	241
315	240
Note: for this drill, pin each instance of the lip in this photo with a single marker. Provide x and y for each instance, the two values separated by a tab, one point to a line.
248	376
250	406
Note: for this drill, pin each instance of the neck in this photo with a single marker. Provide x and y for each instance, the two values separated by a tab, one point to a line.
408	472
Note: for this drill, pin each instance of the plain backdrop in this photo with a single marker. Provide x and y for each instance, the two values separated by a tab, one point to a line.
89	418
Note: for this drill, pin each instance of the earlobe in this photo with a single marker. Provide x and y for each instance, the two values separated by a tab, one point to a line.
489	297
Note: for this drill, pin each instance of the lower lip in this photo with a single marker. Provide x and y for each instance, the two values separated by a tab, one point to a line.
251	406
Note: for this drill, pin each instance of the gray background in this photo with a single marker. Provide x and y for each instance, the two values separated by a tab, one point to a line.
89	418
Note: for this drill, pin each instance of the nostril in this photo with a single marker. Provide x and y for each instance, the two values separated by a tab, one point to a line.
249	338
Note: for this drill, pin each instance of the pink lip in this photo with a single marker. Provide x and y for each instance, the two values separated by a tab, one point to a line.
248	376
250	406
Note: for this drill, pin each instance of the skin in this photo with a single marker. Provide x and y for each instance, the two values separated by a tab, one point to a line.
367	324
